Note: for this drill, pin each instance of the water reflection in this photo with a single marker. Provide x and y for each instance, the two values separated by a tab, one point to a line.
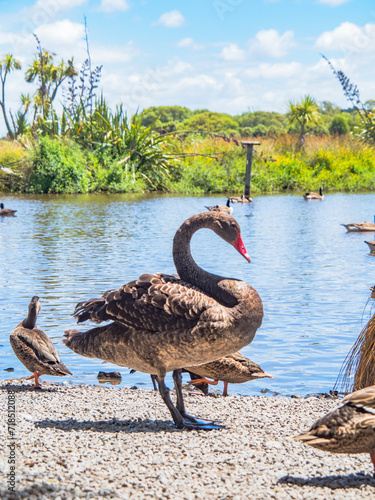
311	274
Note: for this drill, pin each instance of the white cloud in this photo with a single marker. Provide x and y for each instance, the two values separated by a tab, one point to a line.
60	34
333	3
189	42
348	37
106	55
278	70
172	19
269	42
232	52
113	5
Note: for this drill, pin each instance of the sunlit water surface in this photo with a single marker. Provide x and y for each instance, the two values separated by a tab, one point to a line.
312	275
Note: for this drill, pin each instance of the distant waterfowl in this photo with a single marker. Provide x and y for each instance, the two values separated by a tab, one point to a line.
348	429
163	322
34	348
371	245
240	199
221	208
314	196
231	369
360	226
6	212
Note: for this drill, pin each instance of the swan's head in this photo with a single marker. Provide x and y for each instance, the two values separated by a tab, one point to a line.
228	229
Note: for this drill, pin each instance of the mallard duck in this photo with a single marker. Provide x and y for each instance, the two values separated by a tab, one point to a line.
348	429
231	369
314	196
163	323
240	199
34	348
221	208
6	212
360	226
371	245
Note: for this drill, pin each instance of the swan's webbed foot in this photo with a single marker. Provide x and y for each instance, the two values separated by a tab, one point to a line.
181	419
191	422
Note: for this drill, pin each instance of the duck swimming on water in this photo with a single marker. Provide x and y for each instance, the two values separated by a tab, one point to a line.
6	212
162	323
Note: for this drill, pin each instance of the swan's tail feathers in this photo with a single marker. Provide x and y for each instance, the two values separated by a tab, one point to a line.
83	343
104	342
93	310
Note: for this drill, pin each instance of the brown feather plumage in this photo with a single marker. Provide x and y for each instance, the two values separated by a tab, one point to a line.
348	429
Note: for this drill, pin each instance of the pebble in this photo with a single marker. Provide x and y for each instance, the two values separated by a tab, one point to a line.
97	442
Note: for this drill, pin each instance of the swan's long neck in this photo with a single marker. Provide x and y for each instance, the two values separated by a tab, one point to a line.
188	269
30	321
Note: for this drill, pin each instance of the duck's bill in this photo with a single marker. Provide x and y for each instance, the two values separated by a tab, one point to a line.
240	247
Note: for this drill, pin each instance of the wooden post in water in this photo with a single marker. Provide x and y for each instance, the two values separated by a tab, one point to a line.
249	161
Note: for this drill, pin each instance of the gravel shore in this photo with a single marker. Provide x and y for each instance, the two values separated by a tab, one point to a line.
95	442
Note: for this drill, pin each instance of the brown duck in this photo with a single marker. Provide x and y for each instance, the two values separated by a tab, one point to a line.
231	369
163	323
348	429
6	212
34	348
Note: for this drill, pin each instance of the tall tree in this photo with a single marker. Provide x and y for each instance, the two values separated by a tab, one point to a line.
7	64
304	112
50	78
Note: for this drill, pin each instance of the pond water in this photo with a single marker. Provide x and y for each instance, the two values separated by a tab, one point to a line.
312	275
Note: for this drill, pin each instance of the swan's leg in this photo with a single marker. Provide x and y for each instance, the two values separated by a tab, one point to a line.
154	379
164	393
189	421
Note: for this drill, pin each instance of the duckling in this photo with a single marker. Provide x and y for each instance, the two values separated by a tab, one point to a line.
6	212
34	348
234	369
314	196
348	429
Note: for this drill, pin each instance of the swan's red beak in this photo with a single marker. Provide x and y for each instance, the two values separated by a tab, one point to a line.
240	247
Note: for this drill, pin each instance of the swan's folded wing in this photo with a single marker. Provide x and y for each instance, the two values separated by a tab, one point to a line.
156	302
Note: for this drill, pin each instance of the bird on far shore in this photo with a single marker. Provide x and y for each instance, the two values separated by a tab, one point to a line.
221	208
34	348
314	196
6	212
240	199
348	429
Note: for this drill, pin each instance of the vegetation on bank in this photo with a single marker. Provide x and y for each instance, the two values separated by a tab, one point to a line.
88	147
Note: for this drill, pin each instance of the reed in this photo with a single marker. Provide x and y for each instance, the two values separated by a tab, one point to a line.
358	369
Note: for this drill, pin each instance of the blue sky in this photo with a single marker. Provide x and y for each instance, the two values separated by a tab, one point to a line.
225	55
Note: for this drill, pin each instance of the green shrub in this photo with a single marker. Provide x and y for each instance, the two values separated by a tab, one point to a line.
339	126
58	166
